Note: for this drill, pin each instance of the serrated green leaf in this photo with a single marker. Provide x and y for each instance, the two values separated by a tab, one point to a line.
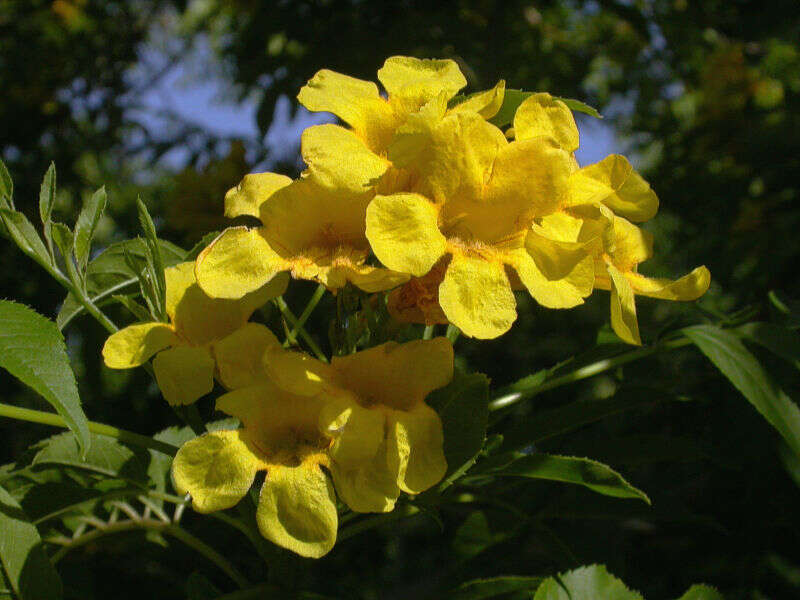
108	274
701	592
107	457
85	227
6	184
24	234
747	375
589	583
32	349
463	408
581	107
493	587
47	194
27	568
154	259
589	473
63	238
511	101
781	341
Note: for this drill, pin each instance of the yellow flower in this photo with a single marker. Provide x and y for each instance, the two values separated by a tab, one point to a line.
199	328
617	271
280	435
355	158
489	207
386	439
309	231
418	300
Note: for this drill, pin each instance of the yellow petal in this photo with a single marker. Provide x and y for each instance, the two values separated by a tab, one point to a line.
575	283
217	469
338	158
413	81
416	448
299	373
184	373
396	375
238	262
476	296
254	189
623	307
632	245
403	232
355	101
615	183
486	104
371	279
543	115
369	487
240	357
297	509
688	287
134	345
357	431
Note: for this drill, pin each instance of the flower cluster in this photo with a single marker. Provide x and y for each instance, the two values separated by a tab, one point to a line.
421	198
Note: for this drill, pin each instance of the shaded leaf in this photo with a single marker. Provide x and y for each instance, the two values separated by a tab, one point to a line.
155	262
85	227
571	469
581	107
493	587
701	592
27	568
592	582
32	349
747	375
47	194
511	101
6	184
779	340
62	236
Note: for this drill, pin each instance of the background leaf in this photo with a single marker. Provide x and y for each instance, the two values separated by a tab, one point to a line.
744	371
26	566
701	592
493	587
32	349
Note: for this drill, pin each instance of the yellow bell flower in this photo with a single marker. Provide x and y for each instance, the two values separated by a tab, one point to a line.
487	209
356	158
617	271
386	439
312	232
199	328
279	435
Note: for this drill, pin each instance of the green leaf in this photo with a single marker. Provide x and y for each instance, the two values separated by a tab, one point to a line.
6	184
47	194
546	424
26	566
581	107
586	583
24	234
90	216
511	101
108	274
781	341
492	587
571	469
138	311
154	259
32	349
701	592
107	457
743	370
463	408
63	238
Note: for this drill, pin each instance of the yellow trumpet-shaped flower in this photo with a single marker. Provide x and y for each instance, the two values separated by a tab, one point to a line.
356	158
200	327
491	211
280	435
617	271
386	439
312	232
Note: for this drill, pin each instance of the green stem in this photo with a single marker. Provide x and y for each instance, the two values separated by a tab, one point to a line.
167	528
46	418
312	304
427	333
289	316
453	333
587	371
